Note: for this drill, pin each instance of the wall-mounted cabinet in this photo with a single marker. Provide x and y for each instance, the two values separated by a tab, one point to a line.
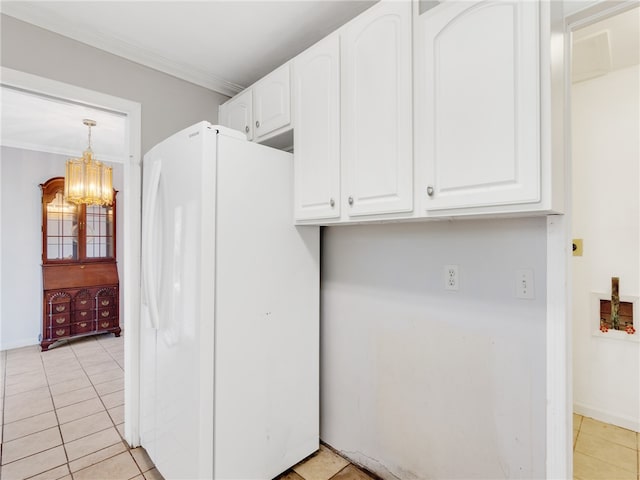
376	111
272	103
237	113
263	110
316	99
489	108
477	104
415	110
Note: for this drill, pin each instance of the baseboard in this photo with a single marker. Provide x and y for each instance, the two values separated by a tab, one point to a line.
629	423
25	342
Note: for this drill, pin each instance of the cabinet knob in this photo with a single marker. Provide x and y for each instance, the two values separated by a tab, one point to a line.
430	191
257	124
350	200
332	202
246	129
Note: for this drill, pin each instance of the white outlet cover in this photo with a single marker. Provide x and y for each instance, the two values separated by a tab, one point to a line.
524	283
451	277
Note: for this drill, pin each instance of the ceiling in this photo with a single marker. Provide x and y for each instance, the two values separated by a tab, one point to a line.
44	124
221	45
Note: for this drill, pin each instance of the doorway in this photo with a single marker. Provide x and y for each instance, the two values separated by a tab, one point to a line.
129	220
605	227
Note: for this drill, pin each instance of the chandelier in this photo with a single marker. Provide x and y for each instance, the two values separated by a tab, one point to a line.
87	180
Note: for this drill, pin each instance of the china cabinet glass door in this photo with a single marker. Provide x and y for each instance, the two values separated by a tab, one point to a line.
62	229
99	232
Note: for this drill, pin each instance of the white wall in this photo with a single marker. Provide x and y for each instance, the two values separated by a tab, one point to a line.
606	214
21	171
418	382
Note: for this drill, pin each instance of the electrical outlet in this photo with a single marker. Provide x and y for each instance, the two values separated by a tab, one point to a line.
524	283
451	277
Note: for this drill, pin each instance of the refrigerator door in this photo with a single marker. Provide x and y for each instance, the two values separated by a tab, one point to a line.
267	304
177	327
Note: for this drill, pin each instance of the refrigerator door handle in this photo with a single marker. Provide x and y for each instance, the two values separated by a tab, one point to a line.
147	231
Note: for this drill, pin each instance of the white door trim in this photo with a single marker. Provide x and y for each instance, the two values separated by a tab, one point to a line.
131	221
559	338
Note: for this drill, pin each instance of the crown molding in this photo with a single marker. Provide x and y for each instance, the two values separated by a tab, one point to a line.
41	17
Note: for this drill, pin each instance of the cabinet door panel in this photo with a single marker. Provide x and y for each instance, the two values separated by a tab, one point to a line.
317	131
376	110
237	113
477	104
272	100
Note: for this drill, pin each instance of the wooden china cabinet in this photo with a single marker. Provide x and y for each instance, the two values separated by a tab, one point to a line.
79	271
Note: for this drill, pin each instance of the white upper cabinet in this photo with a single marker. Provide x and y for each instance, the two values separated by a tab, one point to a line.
477	88
237	113
272	102
376	116
316	99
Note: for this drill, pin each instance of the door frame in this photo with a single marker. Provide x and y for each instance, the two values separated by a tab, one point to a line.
559	341
131	220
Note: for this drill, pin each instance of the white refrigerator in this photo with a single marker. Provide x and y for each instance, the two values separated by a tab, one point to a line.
230	312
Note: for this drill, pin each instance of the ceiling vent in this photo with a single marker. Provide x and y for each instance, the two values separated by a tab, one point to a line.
591	56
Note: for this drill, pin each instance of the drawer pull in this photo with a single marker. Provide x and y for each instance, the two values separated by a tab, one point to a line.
83	314
60	321
105	313
105	303
60	308
83	324
83	302
104	324
60	332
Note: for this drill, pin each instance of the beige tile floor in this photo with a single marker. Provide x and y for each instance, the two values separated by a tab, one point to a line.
62	414
604	452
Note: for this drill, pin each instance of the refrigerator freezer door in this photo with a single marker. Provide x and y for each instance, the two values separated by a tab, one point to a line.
177	224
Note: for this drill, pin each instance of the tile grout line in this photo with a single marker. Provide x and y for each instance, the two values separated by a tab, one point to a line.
606	461
55	413
128	448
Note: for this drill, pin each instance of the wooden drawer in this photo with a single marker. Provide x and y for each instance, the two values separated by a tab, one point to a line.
107	313
83	327
83	315
59	332
105	324
106	301
58	307
59	320
83	300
